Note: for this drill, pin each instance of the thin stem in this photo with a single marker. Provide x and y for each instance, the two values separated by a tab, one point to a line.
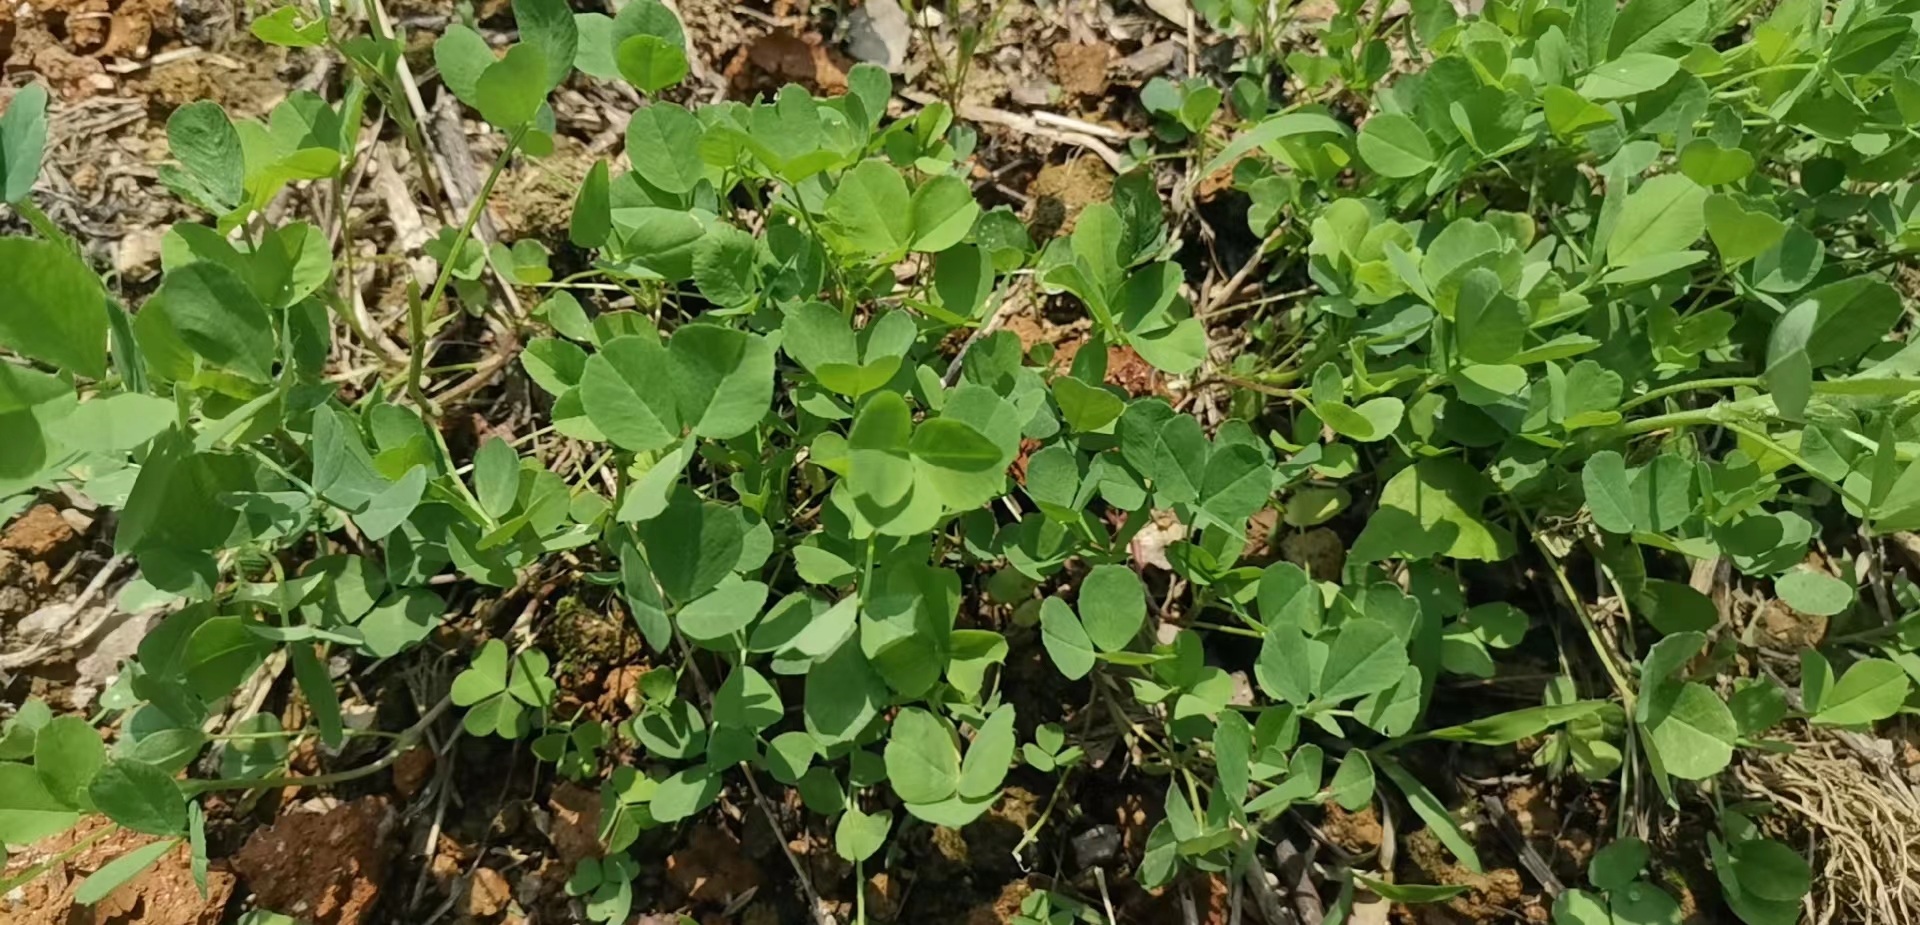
44	225
1725	382
401	744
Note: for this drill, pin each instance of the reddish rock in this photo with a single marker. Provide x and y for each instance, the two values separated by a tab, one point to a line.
326	868
712	867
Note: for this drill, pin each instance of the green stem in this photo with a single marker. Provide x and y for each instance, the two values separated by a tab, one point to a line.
419	310
405	741
44	225
1725	382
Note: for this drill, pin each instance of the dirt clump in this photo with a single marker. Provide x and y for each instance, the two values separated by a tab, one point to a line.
576	823
781	57
40	534
163	894
1059	191
1320	551
487	894
1003	908
1490	897
712	867
1779	626
325	867
411	770
1357	832
1081	67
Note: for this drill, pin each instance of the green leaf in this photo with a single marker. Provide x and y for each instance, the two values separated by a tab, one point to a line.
1629	75
1695	736
1352	785
1512	726
23	141
730	607
943	213
1706	163
1666	214
1673	607
548	26
216	314
843	696
627	390
1871	690
204	141
870	210
1065	639
1569	113
663	142
113	874
1618	864
923	763
953	444
1286	125
858	835
1770	870
1604	480
1738	234
692	545
1658	26
28	812
401	620
1642	903
1814	592
651	63
1429	809
67	753
141	797
1432	508
1579	907
1115	603
288	28
1366	657
1086	408
496	477
1394	146
685	793
723	378
511	89
747	701
462	55
55	307
985	766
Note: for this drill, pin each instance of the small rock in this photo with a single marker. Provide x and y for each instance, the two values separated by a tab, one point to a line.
1320	551
878	33
1178	12
884	895
576	823
1096	846
138	254
321	866
411	770
39	533
711	868
487	893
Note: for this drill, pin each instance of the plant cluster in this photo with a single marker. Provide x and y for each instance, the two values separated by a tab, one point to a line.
1520	339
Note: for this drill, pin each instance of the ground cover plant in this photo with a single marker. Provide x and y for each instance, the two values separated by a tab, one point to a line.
1602	319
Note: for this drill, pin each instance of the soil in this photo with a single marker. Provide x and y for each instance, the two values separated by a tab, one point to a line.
40	534
352	838
711	869
164	894
1493	896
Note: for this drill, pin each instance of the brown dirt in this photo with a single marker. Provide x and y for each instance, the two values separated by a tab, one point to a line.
1081	68
41	534
1003	907
1779	626
487	893
1357	832
781	57
1320	551
536	201
711	867
164	894
1491	897
1059	191
411	770
576	823
325	867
